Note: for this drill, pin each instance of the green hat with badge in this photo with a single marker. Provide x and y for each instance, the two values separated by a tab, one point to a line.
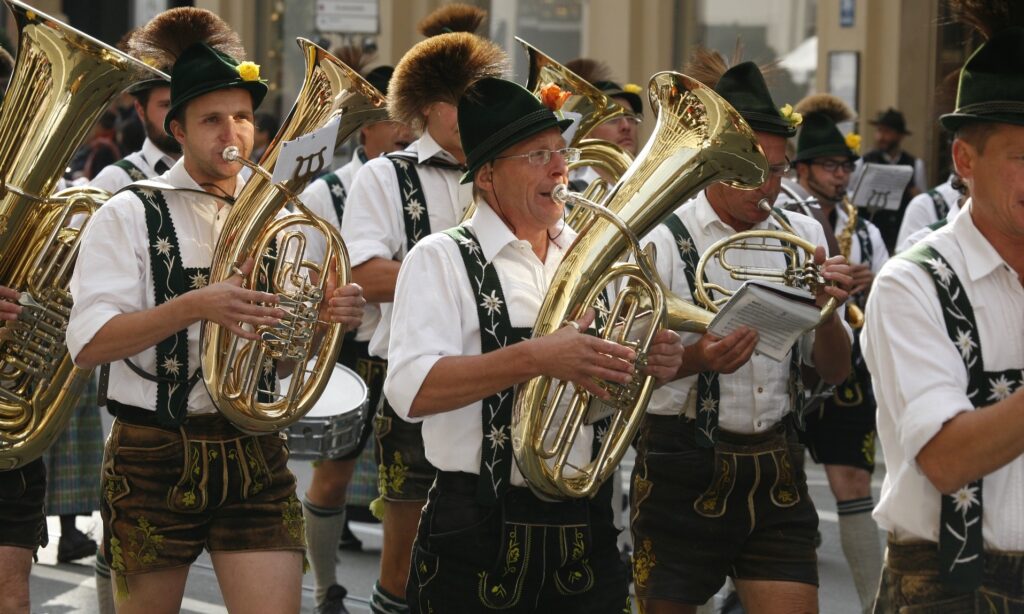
495	114
819	134
201	69
743	86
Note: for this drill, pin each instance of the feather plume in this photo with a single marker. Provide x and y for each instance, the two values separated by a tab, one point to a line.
592	71
440	69
354	56
450	18
826	104
170	33
988	16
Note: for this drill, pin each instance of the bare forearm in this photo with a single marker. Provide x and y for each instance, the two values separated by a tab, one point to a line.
457	381
378	277
832	351
130	333
692	362
974	444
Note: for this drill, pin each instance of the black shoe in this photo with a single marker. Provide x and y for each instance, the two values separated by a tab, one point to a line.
334	601
74	545
349	541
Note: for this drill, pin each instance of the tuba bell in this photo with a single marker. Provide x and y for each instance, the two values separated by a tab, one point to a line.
62	81
238	371
698	139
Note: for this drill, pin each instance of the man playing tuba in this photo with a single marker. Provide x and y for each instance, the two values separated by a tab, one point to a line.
718	485
485	541
177	476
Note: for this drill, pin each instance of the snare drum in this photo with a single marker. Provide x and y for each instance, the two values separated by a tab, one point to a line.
332	428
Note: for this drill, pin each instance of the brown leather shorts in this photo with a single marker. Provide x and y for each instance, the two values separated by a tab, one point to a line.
170	493
404	473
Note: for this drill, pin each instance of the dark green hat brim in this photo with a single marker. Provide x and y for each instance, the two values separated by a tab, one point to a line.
148	84
954	121
509	136
991	89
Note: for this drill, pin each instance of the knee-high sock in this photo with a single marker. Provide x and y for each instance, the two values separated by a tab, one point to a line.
858	534
383	602
104	591
323	530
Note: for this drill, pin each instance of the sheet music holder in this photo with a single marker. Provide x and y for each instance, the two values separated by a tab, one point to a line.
778	313
880	186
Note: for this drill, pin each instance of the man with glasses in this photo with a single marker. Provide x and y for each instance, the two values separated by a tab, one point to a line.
840	432
718	485
485	541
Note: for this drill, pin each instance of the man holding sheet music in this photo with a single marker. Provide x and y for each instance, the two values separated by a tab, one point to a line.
840	431
718	487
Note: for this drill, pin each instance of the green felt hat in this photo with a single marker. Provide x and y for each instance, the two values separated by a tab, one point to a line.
820	138
201	69
744	88
991	85
495	114
614	90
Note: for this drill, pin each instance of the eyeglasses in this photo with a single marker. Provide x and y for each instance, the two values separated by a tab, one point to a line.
831	165
628	119
779	170
540	157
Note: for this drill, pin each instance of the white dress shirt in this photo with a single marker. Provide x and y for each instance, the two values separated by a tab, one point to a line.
317	196
430	325
756	396
920	380
374	225
113	276
920	211
112	178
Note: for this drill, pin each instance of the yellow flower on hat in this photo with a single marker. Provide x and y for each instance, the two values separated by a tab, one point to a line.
249	71
853	142
632	88
788	114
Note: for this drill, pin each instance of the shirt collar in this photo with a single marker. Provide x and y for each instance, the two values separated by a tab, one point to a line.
154	154
357	156
494	235
980	257
426	148
178	177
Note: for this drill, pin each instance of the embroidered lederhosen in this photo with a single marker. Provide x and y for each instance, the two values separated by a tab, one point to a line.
131	169
961	546
523	544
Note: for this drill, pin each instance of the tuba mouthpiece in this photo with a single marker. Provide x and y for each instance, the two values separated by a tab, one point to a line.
560	194
230	154
764	205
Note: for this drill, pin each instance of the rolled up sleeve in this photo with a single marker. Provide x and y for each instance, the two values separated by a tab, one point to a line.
918	374
372	227
426	321
109	277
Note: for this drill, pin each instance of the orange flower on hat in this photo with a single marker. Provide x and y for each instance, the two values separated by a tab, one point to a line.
553	97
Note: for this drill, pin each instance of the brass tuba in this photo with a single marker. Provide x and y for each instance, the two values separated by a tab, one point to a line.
232	366
699	139
62	81
595	108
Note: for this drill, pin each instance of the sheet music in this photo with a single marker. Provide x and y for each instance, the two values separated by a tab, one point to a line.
307	155
778	319
880	186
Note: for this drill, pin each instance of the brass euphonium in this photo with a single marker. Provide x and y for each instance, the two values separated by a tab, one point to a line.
595	108
232	365
62	81
699	139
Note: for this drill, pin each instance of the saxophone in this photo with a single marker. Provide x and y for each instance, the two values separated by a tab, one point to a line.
854	314
232	366
62	82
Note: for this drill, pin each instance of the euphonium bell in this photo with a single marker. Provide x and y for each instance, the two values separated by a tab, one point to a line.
699	139
62	81
238	372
